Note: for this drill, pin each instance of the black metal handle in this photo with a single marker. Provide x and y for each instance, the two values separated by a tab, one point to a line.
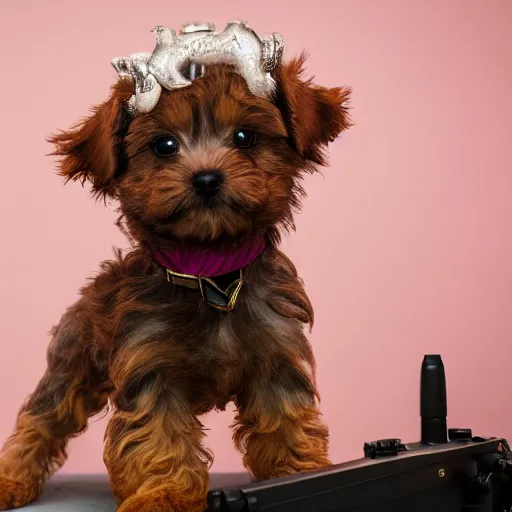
433	408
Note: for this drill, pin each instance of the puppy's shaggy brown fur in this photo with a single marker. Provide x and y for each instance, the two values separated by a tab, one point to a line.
160	355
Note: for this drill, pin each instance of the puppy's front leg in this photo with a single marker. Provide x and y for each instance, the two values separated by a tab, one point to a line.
278	427
153	444
72	389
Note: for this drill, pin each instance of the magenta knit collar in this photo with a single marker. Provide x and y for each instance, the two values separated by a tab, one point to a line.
209	262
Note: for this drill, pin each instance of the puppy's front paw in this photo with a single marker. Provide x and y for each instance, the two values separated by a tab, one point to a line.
162	501
16	494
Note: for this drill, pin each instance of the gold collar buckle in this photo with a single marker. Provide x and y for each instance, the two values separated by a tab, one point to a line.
211	293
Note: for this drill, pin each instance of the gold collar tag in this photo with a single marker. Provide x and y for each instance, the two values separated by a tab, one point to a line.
222	299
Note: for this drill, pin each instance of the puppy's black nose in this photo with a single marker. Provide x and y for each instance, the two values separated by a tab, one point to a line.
207	183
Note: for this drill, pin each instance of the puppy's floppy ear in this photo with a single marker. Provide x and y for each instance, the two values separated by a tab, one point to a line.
93	149
314	115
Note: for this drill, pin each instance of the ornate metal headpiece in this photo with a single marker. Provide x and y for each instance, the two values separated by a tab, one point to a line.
178	59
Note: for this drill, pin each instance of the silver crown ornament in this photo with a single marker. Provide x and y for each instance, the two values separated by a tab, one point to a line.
179	59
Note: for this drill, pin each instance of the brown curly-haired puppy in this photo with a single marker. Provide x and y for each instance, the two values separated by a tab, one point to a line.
212	168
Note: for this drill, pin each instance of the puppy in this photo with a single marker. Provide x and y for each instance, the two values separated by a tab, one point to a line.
204	309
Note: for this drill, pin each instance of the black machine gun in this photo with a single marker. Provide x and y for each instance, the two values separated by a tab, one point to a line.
449	470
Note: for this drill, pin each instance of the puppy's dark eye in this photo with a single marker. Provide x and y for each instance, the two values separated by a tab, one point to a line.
165	146
244	139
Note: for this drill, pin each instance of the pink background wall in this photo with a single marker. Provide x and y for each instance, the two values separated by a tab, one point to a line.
405	244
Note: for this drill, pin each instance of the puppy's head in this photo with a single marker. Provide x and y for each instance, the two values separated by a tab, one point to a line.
212	163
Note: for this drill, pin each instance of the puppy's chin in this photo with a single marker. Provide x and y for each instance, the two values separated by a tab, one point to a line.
205	226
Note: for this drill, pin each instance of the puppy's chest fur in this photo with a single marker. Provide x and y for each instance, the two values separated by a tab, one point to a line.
205	353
